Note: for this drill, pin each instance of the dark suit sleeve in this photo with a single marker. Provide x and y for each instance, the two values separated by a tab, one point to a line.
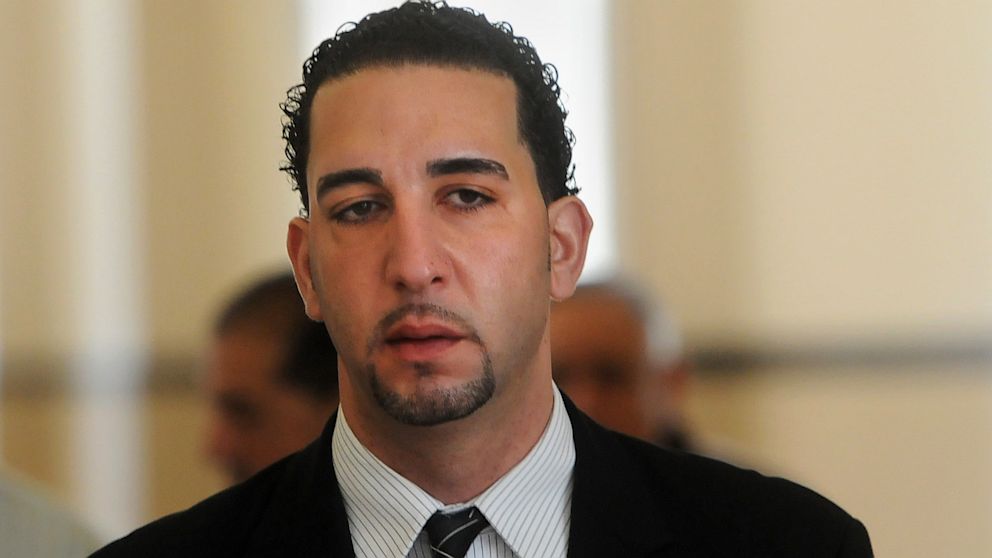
856	543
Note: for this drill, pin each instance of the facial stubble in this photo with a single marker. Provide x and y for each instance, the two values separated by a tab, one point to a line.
432	406
437	405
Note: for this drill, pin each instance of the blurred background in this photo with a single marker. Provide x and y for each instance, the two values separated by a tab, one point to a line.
807	184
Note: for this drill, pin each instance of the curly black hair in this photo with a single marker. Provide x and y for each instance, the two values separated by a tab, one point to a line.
433	33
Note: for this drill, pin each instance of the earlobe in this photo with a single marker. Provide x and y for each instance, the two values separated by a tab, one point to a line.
569	227
298	246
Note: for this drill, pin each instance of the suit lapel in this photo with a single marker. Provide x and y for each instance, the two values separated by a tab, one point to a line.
611	514
306	516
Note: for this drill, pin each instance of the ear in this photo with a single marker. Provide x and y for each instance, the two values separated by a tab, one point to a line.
569	226
298	246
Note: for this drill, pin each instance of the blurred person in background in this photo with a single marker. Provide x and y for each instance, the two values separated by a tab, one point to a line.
271	376
31	524
618	355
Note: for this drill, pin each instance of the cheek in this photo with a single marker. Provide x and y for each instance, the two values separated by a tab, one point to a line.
515	293
346	321
518	253
343	299
513	276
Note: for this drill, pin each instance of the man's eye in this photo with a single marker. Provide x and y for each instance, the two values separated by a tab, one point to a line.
358	212
468	199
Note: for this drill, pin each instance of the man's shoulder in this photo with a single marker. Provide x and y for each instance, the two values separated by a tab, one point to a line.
292	508
641	498
771	516
220	525
692	478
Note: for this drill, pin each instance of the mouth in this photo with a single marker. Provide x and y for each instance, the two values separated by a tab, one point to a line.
420	342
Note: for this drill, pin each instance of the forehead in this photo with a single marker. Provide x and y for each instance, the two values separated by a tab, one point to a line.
405	84
385	107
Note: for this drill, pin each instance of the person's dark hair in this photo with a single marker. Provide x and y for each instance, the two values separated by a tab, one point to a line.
272	307
434	33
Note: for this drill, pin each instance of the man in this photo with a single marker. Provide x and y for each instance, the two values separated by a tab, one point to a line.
270	376
431	156
618	356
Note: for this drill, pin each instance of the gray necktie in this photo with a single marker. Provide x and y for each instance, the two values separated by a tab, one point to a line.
451	534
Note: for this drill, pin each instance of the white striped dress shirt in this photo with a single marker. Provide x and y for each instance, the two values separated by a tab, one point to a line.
528	508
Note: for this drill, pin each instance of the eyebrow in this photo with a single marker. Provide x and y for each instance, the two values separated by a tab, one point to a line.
469	165
340	178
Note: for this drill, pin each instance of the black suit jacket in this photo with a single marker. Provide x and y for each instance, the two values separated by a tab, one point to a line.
629	499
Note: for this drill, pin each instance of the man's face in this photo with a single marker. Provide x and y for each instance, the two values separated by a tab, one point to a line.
599	359
428	237
255	419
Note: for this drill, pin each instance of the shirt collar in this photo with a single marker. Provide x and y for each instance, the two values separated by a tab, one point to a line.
526	506
530	505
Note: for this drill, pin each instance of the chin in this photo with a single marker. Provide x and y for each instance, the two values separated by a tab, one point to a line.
434	402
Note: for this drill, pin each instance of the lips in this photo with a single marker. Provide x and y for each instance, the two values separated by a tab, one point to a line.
421	341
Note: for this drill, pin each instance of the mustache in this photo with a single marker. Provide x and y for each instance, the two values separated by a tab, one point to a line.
421	310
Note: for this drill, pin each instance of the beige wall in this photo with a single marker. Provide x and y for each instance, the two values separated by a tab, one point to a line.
790	176
808	171
206	80
867	133
903	448
217	204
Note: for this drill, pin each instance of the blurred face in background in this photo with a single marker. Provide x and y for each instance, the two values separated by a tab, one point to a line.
598	354
255	419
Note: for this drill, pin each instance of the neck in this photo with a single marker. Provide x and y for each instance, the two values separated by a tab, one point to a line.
458	460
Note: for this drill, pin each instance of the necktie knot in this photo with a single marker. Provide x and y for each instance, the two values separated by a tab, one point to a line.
451	534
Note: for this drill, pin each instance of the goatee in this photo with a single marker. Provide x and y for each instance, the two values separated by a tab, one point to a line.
436	406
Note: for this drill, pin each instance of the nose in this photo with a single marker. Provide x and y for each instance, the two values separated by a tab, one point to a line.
416	260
